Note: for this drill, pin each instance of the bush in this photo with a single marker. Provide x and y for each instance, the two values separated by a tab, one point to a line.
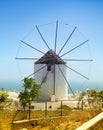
65	107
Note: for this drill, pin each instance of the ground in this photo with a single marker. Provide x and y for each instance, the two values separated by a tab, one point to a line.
74	119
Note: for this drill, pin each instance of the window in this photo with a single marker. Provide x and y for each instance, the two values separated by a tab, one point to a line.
49	67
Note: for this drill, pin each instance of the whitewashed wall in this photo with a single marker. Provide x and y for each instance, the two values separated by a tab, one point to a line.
61	87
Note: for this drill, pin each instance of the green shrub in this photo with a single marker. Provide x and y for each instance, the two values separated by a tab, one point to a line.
65	107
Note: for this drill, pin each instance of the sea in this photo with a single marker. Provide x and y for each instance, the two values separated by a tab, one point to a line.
11	85
18	86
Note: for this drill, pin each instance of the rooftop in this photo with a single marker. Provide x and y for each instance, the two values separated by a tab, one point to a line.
50	58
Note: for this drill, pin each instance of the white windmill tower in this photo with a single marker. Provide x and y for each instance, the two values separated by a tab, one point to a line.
50	77
51	70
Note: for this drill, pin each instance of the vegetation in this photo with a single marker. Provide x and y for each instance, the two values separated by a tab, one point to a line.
95	98
31	91
3	96
65	107
97	126
50	119
69	122
6	116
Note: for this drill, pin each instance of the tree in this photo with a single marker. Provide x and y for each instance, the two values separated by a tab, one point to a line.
30	91
101	94
96	99
3	96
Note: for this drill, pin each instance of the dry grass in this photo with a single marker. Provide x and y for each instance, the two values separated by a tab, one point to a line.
75	119
97	126
70	122
5	119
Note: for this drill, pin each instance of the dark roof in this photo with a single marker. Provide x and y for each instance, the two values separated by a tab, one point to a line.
50	58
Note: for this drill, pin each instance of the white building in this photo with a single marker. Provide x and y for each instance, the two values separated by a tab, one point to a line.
50	71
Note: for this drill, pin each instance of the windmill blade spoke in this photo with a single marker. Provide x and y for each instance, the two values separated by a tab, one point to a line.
40	69
30	75
74	48
44	78
56	34
36	71
19	58
90	60
77	72
70	88
54	82
67	40
32	47
66	80
42	37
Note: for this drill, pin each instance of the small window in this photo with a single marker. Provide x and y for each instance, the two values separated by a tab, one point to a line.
50	107
48	67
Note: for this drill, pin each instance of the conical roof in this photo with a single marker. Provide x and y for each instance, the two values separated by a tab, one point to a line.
50	58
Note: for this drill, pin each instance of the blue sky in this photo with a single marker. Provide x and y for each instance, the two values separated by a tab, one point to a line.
19	17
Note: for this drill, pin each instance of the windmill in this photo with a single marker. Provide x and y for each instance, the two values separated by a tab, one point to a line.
51	69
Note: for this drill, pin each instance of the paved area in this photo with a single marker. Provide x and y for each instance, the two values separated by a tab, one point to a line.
91	122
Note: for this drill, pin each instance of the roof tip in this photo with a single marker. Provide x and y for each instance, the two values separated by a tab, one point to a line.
50	58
